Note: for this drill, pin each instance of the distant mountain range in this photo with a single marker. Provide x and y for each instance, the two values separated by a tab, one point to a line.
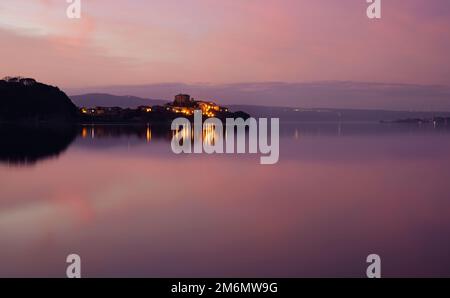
335	95
92	100
24	98
285	114
292	114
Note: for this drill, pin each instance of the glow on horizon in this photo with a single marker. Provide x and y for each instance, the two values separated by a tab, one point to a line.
139	42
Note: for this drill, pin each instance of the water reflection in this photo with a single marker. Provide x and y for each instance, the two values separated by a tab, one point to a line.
148	134
130	207
209	134
26	145
142	132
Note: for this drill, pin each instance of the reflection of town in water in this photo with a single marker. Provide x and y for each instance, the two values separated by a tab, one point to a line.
26	145
96	131
209	134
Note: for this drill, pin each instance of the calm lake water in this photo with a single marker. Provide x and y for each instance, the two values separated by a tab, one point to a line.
120	198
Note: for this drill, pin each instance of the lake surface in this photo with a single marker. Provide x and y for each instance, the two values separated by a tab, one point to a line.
120	198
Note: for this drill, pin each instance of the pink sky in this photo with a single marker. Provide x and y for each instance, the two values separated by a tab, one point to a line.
210	41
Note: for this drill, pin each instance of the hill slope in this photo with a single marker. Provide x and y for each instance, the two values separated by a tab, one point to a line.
107	100
25	99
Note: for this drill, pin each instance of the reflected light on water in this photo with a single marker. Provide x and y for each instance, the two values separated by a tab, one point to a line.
209	134
84	132
338	194
148	134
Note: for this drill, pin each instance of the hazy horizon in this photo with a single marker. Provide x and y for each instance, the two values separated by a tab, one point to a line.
321	94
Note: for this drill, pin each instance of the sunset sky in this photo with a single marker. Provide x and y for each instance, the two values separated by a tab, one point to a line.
217	42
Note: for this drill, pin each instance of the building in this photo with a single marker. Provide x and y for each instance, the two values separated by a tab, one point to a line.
146	109
184	104
210	109
182	100
102	111
23	81
184	110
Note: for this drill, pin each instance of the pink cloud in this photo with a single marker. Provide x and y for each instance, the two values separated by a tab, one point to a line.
138	42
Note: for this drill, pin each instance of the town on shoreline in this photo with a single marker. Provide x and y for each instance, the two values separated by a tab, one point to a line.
24	100
182	106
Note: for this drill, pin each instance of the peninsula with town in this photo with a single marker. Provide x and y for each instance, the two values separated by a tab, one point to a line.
26	100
